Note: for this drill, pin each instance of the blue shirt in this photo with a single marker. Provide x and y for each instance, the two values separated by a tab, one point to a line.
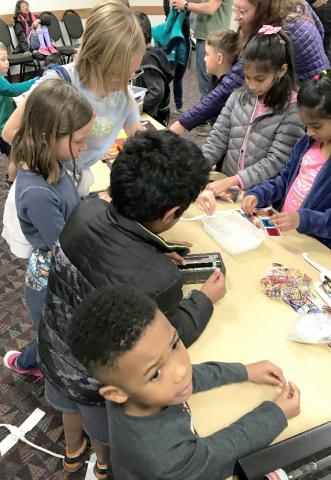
112	112
42	208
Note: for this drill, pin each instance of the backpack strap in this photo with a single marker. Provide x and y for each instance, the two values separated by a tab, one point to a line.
61	71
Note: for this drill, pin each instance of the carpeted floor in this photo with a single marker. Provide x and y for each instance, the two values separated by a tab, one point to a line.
19	396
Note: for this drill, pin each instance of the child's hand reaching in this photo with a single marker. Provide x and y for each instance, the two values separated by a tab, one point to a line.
249	204
289	400
206	201
220	186
265	372
286	221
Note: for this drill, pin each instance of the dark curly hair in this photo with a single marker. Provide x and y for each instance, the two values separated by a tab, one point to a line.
145	26
315	94
108	323
156	171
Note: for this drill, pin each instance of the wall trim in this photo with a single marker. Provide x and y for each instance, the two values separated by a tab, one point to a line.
83	12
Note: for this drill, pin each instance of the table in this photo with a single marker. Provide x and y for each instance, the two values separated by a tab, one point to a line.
247	326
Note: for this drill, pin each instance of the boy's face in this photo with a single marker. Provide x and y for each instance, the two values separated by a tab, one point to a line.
4	64
157	372
213	59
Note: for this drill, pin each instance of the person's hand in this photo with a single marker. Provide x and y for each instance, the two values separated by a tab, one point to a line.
214	286
220	186
176	258
177	128
289	400
286	221
104	196
249	204
35	23
27	53
206	202
319	3
265	372
177	4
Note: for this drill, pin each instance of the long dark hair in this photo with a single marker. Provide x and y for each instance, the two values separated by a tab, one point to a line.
315	94
269	53
18	7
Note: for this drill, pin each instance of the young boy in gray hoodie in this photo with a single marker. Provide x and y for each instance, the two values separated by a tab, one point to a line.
130	346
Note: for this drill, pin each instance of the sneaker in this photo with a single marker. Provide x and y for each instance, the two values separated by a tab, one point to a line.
179	110
74	463
100	471
52	49
44	51
204	130
10	361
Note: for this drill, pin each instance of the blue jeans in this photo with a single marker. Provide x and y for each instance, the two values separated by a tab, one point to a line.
178	84
35	300
204	79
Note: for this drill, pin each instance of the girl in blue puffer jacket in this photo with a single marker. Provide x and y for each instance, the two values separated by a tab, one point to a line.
259	125
302	189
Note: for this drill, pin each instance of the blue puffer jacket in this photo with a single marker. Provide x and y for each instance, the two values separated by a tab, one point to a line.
315	211
309	57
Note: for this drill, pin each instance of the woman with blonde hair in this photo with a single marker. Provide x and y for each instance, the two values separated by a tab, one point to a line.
111	51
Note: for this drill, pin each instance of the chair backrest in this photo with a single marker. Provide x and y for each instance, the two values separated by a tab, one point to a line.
5	36
54	28
73	24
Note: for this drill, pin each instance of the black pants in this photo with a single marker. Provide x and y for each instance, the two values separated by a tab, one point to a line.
4	147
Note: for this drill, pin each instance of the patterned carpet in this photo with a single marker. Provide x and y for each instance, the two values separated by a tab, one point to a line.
19	396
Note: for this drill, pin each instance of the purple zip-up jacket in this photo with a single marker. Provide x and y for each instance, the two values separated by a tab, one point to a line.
309	57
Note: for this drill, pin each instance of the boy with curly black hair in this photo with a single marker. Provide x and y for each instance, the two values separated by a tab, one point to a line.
147	378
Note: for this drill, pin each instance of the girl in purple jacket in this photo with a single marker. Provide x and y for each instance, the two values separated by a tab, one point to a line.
302	189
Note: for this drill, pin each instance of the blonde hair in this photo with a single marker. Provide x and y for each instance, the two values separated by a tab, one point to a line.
111	38
3	47
224	41
53	110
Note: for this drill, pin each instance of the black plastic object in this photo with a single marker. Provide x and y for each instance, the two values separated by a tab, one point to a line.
290	454
200	266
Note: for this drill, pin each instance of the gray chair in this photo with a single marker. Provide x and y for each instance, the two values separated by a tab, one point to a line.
16	58
74	26
66	52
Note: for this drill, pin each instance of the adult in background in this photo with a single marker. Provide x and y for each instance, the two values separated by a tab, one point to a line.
211	15
323	10
297	21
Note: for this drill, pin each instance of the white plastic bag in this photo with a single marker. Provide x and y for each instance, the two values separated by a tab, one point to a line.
312	328
12	231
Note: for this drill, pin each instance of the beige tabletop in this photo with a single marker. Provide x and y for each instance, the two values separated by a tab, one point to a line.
247	326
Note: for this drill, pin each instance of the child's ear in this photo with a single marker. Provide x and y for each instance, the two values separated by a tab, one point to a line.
115	394
220	58
283	70
169	215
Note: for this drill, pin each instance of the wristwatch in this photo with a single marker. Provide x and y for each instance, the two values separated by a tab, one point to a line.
186	6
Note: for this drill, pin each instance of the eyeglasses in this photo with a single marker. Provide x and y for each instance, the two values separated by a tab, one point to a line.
136	75
241	13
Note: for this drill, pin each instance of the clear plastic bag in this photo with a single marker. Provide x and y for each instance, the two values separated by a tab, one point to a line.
312	328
